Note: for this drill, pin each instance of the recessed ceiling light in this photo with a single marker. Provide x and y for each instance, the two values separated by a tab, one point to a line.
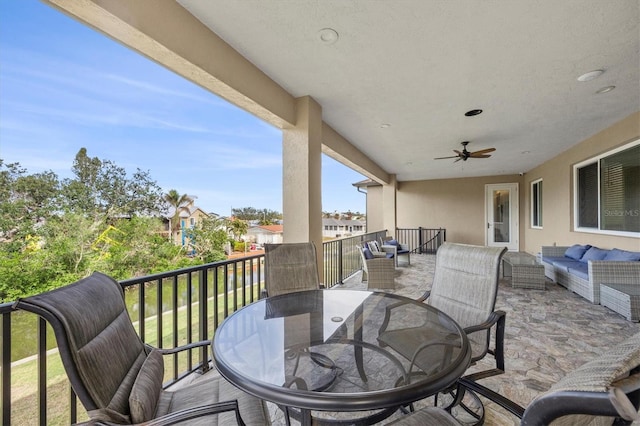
328	35
526	152
473	112
605	89
385	125
591	75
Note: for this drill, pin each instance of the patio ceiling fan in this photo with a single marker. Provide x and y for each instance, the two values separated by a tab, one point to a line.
464	154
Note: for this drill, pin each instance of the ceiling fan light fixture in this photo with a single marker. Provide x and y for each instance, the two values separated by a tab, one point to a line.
591	75
473	112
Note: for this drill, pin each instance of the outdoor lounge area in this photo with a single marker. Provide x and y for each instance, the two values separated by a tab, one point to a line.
548	334
545	95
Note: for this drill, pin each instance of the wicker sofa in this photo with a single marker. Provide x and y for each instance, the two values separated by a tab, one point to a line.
582	268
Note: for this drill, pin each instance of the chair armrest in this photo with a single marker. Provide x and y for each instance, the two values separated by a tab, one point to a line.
505	403
493	319
180	416
195	412
177	349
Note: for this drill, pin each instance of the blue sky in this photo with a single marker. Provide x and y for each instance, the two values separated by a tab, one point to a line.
64	86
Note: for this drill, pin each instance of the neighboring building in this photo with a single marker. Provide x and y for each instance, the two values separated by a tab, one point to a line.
189	217
340	228
265	234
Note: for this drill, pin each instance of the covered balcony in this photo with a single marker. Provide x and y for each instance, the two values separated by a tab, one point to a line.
385	87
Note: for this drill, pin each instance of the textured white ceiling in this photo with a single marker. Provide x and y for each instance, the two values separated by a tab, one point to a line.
419	65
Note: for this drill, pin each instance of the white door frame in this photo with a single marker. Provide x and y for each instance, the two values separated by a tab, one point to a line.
513	244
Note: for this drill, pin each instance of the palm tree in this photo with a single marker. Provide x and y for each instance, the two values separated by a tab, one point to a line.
180	203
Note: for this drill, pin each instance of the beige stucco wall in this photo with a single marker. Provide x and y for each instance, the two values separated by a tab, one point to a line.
375	221
557	203
454	204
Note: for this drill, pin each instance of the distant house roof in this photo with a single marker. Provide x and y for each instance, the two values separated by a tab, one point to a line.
273	229
187	211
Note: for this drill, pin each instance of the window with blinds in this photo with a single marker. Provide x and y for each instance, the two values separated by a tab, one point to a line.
607	193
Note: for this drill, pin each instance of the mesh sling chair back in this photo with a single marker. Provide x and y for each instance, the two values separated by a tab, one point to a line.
290	267
465	286
603	391
117	377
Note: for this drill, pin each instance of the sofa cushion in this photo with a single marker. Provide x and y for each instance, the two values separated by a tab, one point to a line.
594	253
623	255
566	263
576	251
367	253
551	259
580	270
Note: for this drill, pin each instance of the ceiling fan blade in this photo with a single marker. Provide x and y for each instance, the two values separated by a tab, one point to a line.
461	158
483	151
458	152
474	155
444	158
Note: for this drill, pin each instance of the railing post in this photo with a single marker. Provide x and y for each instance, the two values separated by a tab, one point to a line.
340	256
204	332
42	371
6	369
420	238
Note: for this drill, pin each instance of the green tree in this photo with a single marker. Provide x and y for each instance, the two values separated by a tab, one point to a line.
177	204
208	239
25	201
100	187
237	228
264	216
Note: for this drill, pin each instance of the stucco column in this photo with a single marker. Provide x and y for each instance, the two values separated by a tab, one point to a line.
302	176
389	217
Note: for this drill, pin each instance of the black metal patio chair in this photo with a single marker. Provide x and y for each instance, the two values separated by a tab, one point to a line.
117	377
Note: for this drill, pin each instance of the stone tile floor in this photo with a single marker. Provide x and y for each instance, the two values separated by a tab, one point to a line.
549	333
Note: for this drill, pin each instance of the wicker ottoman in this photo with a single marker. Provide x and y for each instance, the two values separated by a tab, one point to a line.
524	269
622	298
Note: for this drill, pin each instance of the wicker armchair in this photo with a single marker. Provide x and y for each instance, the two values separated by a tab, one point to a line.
605	390
117	377
378	272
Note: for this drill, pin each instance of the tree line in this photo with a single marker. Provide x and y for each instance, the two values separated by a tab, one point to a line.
55	231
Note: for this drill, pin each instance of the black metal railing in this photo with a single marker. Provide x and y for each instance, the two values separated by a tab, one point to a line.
168	309
422	240
341	257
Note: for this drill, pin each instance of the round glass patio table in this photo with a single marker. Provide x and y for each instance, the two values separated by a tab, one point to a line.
319	351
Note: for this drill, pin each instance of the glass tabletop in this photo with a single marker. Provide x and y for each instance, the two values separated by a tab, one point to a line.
520	259
322	350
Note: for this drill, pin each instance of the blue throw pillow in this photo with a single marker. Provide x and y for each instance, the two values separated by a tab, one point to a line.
594	253
576	251
624	255
392	243
367	253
